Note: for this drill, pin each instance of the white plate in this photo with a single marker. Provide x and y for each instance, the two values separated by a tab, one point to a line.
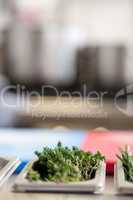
121	185
95	185
9	168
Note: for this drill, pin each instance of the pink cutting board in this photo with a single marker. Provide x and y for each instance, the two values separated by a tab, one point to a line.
108	143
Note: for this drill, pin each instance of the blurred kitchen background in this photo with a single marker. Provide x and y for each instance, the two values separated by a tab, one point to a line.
68	44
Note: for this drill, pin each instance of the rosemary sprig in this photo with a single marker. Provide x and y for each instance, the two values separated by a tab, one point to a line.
127	161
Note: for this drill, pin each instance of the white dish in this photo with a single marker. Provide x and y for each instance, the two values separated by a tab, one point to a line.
122	186
95	185
9	168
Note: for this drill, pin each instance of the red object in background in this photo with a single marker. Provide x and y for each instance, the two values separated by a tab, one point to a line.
108	143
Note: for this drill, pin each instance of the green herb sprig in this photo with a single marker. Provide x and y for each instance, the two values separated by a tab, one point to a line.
63	164
127	161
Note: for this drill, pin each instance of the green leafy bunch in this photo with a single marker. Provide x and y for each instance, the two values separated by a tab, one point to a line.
127	161
63	164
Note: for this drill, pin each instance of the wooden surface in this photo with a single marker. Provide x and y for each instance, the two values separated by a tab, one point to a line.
109	194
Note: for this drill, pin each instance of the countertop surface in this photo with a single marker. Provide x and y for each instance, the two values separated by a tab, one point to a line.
109	193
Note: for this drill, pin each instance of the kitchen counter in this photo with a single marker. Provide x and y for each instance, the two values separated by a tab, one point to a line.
74	113
109	193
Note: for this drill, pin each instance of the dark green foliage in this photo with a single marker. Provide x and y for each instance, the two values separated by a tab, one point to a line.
62	164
